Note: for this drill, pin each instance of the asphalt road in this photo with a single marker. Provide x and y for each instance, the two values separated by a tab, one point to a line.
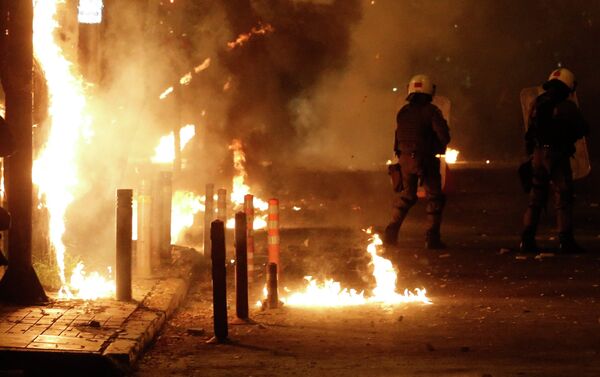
494	312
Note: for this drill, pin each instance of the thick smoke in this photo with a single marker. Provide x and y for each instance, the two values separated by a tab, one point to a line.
276	76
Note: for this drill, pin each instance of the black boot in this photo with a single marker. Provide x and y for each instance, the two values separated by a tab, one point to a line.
568	244
528	244
390	236
433	241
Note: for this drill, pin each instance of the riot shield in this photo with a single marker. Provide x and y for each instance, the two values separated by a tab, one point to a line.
580	162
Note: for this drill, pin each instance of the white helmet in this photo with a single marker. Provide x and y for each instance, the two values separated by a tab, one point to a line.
421	84
565	76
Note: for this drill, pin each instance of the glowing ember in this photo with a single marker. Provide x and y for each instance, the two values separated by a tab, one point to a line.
257	30
166	93
451	156
331	294
187	78
165	151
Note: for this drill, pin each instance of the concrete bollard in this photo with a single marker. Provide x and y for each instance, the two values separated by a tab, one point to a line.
249	210
166	193
217	237
209	213
272	289
241	267
143	244
273	233
124	235
222	205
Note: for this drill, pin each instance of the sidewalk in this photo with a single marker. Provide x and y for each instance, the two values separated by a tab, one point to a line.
102	337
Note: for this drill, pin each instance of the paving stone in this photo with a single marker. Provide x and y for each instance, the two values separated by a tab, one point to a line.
16	341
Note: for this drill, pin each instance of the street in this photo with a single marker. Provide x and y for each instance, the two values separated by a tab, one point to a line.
494	312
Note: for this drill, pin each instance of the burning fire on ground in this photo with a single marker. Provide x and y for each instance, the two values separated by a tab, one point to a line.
331	294
55	169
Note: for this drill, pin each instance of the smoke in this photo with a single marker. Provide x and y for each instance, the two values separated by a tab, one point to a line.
317	91
479	53
276	76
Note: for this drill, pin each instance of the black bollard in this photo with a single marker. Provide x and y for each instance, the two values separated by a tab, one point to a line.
124	225
209	213
241	267
217	237
272	295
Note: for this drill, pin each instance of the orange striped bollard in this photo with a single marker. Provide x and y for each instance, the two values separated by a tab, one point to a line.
273	240
249	210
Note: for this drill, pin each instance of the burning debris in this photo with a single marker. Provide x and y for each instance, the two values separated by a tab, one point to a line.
187	78
243	38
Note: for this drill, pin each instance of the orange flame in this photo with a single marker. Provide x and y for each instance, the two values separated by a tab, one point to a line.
257	30
331	294
55	170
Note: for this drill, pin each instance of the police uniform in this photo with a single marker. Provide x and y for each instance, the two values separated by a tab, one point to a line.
555	124
421	134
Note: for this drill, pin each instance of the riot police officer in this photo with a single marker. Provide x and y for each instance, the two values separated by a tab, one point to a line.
421	134
555	124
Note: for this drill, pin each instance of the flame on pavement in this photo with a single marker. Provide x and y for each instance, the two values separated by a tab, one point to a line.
331	294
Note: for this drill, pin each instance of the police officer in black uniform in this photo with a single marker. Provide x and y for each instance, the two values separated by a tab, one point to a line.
555	124
421	134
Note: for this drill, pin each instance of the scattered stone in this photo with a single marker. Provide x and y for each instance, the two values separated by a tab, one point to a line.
95	324
504	251
430	347
465	349
196	331
521	257
444	255
486	375
400	318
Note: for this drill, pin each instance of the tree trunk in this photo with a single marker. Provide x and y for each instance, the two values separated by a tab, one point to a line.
20	283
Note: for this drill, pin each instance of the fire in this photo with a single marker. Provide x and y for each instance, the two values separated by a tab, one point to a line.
331	294
243	38
451	156
241	189
187	78
55	170
92	286
185	205
165	150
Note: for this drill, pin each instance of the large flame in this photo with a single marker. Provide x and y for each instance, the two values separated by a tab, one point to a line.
240	189
185	205
331	294
165	150
55	170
